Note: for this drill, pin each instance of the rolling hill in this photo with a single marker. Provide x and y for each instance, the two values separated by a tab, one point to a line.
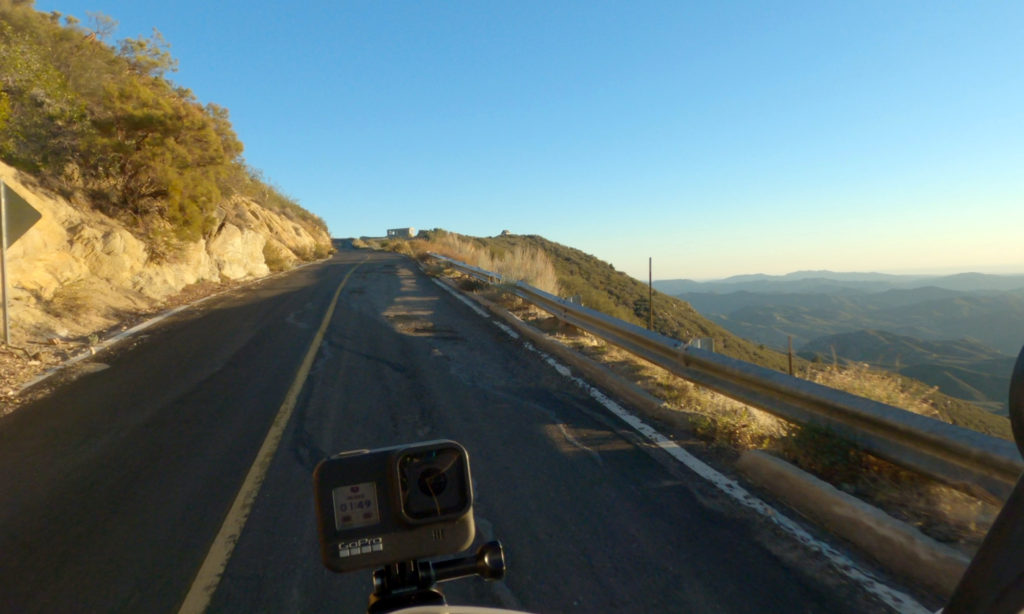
962	368
959	332
827	281
601	287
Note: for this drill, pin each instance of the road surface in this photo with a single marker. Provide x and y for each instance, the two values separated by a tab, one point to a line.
115	485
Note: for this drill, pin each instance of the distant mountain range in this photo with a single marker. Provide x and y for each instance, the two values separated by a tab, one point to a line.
828	281
958	332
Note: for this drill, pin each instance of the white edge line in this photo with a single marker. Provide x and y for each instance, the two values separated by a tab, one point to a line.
107	343
465	300
895	599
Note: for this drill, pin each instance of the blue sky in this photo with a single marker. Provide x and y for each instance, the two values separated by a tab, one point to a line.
719	138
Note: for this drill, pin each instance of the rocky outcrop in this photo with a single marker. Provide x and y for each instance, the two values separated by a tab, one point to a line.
76	271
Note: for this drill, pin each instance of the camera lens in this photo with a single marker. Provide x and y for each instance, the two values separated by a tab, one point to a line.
432	482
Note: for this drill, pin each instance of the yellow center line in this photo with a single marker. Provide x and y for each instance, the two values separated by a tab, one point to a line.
209	575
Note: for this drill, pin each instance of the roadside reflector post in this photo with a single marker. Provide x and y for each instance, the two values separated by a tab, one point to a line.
3	259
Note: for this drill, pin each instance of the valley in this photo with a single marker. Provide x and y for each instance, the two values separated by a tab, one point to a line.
960	333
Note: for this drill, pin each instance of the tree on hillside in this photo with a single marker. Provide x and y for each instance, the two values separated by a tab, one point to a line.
84	60
46	117
102	27
5	108
150	57
164	154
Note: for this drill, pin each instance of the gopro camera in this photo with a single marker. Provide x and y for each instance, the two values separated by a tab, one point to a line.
401	503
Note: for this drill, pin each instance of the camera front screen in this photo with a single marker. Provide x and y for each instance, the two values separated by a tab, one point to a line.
355	505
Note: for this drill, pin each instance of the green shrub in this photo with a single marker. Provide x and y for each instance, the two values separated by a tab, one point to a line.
322	250
70	301
274	257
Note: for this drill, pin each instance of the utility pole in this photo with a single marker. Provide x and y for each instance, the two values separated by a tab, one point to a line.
650	293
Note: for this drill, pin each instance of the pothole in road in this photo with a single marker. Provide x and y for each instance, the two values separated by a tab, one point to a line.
418	327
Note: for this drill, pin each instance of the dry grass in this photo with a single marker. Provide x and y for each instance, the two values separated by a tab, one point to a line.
71	300
531	266
713	417
861	380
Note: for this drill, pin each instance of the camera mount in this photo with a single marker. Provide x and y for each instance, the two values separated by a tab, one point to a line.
414	583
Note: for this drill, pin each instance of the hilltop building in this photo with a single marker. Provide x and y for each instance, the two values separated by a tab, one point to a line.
401	233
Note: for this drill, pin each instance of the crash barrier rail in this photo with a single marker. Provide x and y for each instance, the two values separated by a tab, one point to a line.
984	466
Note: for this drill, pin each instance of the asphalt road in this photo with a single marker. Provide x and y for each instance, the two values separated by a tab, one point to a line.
113	487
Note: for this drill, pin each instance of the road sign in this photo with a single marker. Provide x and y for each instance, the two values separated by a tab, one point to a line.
16	217
20	215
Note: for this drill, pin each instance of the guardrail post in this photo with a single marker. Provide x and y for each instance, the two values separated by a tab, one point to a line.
790	354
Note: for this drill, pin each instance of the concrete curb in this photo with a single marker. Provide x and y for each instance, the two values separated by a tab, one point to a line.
895	544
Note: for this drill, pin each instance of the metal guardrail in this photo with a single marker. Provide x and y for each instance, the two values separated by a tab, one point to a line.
979	464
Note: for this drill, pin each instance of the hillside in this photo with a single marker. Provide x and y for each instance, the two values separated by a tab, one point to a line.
601	287
930	313
962	368
78	271
145	199
822	311
98	123
891	350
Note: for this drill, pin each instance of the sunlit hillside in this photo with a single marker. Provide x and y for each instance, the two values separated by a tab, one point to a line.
99	121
